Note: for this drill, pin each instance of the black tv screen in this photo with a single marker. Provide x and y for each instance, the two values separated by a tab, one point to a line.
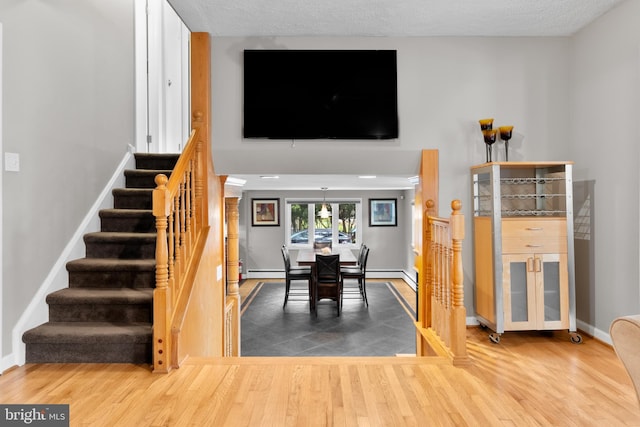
315	94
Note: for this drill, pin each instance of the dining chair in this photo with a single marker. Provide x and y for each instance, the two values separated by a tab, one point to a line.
361	252
357	272
295	273
326	280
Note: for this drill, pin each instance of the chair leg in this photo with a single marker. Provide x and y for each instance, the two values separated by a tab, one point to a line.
364	291
311	298
286	292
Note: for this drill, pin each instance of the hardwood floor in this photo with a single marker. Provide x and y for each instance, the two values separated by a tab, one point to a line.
528	379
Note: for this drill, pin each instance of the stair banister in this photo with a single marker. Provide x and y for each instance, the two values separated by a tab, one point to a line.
174	207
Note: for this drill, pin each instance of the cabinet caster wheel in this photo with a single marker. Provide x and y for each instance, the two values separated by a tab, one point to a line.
494	338
483	326
576	338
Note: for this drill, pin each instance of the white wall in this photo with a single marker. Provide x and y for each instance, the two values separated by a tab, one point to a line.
68	111
444	86
605	140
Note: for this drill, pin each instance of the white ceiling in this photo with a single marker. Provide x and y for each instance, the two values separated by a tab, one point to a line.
390	18
382	18
331	182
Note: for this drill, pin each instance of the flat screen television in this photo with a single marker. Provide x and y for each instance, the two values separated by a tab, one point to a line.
318	94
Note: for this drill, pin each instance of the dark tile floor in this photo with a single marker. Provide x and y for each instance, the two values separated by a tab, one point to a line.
385	328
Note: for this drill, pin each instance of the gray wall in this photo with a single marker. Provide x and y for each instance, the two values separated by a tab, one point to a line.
260	246
569	98
605	140
69	112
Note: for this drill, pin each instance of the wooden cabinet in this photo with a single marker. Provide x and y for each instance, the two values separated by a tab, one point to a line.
523	244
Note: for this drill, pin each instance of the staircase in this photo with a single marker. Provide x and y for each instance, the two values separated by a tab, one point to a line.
106	313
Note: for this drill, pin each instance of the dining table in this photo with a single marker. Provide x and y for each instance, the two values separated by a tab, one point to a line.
308	256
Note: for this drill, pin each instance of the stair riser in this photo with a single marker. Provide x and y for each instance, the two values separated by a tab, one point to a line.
142	224
121	250
142	180
112	279
89	353
125	201
139	313
156	162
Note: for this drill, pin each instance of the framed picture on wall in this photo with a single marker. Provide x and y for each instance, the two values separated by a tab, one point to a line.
265	212
382	212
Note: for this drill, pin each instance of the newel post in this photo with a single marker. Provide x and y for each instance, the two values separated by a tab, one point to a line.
233	255
162	293
458	312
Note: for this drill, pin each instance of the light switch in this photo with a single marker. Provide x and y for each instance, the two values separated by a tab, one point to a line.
12	162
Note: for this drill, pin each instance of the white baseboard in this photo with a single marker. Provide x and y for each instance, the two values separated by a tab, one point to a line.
594	332
37	312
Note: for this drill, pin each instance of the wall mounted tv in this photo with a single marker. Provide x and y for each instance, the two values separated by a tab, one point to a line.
317	94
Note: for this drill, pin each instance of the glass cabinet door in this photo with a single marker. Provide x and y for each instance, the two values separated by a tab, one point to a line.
553	292
519	296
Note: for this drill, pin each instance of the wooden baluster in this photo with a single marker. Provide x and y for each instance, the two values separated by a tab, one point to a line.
200	169
187	209
162	293
192	202
171	241
176	239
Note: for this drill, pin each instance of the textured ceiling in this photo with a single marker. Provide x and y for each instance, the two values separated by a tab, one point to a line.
381	18
392	18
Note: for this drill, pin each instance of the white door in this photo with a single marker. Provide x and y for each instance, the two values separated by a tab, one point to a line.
162	78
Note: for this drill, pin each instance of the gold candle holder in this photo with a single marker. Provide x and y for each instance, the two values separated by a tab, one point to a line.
489	139
505	135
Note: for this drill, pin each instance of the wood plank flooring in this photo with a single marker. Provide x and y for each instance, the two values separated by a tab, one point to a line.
528	379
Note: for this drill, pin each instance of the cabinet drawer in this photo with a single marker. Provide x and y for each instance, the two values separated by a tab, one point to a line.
534	228
541	245
534	236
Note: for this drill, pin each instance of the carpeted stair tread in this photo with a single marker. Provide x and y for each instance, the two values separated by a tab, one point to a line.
76	296
147	172
110	264
118	236
125	213
89	332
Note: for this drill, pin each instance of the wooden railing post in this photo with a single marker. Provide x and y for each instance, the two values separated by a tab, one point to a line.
232	331
431	257
458	312
162	293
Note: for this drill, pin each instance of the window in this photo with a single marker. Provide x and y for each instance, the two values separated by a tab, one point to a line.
336	222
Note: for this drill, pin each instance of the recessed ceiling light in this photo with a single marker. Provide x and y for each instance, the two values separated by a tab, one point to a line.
237	182
367	176
269	177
